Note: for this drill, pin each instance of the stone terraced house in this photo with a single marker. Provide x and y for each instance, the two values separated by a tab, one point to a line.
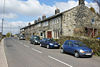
78	21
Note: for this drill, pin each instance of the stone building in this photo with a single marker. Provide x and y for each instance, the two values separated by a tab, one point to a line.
78	21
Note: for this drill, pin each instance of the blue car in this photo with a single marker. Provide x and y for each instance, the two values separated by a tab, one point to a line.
49	43
77	48
98	38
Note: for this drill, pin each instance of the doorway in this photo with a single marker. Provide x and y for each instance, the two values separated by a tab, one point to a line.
49	34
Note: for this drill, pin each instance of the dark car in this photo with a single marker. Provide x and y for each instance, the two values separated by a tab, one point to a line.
49	43
21	37
77	48
35	40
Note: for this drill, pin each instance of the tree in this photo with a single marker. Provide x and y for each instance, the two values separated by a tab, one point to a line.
92	9
8	34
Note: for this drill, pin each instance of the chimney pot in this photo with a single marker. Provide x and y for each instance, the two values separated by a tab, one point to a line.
81	2
43	17
57	11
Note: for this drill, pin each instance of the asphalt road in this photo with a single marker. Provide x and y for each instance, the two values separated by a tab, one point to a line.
21	53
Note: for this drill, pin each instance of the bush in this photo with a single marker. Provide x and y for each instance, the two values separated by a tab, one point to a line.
90	42
8	34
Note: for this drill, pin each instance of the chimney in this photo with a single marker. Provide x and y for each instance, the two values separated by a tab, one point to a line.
81	2
57	11
39	19
35	21
29	24
43	17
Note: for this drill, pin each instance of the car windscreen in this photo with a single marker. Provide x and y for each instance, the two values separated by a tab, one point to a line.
22	36
51	40
37	38
79	44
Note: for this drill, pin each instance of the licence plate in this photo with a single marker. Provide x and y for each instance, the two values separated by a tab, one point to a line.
56	45
88	53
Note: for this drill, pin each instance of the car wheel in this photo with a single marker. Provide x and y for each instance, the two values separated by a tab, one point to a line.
40	45
76	54
48	46
34	43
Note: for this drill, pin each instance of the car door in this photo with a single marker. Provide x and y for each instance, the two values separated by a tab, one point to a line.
43	42
65	45
69	47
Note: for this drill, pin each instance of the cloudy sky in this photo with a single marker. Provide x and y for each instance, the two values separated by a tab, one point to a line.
18	13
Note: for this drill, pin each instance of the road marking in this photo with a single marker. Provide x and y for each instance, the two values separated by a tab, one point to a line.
60	61
26	46
36	50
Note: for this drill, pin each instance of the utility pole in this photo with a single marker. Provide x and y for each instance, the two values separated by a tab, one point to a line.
3	15
2	25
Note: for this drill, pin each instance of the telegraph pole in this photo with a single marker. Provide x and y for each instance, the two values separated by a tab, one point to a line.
3	16
2	25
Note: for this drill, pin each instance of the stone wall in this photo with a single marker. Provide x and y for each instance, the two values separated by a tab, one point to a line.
78	18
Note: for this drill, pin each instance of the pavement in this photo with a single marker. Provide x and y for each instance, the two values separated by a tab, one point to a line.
21	53
3	60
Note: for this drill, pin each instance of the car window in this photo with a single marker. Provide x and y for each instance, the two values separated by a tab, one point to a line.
70	43
78	44
66	43
44	39
51	40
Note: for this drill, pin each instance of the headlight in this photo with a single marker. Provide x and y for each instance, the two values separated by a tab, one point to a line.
51	44
36	41
82	51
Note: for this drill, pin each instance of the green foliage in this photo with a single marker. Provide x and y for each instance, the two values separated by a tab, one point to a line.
90	42
8	34
92	9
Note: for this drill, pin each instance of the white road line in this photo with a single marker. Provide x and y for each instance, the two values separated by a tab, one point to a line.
60	61
26	46
36	50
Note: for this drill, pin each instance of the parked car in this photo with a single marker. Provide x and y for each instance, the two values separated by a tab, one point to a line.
35	40
21	37
49	43
98	38
77	48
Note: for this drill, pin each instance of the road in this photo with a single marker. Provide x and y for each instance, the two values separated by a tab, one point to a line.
21	53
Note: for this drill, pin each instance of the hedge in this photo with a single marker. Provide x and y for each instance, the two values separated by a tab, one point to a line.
90	42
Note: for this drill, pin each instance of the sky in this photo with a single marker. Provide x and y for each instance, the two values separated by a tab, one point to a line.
18	13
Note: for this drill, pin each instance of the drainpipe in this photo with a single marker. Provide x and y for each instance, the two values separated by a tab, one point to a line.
61	26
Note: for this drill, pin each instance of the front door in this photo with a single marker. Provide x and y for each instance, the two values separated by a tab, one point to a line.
49	34
91	32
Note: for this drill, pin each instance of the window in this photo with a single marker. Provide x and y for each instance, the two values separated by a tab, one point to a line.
45	23
70	43
39	25
41	34
66	43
